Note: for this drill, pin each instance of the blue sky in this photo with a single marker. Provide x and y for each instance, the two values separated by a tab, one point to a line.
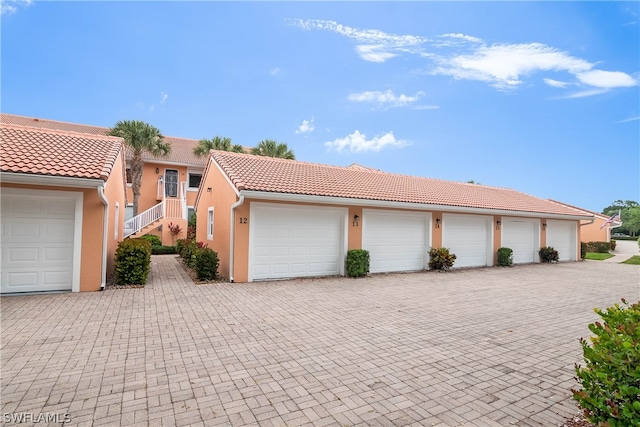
539	97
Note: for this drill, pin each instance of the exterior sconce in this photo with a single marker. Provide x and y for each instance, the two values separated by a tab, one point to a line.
208	189
356	218
157	170
544	225
498	224
437	222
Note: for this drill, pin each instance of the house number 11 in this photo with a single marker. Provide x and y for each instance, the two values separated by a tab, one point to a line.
243	220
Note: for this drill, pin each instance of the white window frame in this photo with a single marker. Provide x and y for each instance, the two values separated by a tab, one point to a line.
189	173
210	218
116	223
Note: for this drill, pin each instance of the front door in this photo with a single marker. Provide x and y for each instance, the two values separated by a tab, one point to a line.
171	183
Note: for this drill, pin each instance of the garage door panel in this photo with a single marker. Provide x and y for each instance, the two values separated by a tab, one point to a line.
562	236
396	241
469	238
294	241
522	236
38	238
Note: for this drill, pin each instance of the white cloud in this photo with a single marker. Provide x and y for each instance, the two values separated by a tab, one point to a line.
372	45
606	79
585	93
306	126
357	142
163	98
274	71
386	98
426	107
630	119
555	83
8	7
504	66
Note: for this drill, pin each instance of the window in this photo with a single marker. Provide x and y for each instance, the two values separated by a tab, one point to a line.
190	212
210	224
116	222
194	180
128	174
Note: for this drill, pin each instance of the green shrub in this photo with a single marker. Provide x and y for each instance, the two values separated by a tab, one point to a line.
583	250
205	263
599	247
180	244
441	259
505	257
163	250
357	263
610	378
613	245
154	240
548	254
133	261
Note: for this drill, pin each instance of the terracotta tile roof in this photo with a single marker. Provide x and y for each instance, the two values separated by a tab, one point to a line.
586	211
181	148
249	172
50	152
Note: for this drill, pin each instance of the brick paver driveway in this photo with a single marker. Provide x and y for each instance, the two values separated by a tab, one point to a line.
481	347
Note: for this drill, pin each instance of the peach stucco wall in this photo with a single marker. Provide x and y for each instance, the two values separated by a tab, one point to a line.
593	233
114	193
149	184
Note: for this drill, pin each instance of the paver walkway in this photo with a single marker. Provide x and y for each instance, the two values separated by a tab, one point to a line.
481	347
625	249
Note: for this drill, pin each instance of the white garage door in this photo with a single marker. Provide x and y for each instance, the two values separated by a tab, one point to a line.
562	236
38	240
469	237
523	237
292	241
396	241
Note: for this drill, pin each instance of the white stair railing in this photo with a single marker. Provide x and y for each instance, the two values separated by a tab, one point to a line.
143	219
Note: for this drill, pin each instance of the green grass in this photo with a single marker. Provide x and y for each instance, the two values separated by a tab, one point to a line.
597	256
634	260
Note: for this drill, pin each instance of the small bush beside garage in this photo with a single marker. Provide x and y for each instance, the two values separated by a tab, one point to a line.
548	254
357	263
505	257
441	259
133	262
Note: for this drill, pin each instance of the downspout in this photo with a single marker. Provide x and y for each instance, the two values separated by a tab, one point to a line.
233	235
105	236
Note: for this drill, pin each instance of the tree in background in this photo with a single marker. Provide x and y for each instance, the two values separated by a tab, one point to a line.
271	148
140	137
629	214
216	143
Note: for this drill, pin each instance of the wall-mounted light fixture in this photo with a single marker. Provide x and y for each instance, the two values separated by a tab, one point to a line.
544	225
208	189
157	170
356	218
498	224
437	222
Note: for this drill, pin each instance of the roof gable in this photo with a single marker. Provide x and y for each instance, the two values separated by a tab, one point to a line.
266	174
35	151
181	148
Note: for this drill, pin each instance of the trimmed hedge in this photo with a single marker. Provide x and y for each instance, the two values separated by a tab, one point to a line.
133	261
599	247
441	259
205	263
357	263
505	257
548	254
583	250
163	250
610	378
154	240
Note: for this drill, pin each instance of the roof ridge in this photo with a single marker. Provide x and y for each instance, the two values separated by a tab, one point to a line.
577	208
365	170
38	119
60	131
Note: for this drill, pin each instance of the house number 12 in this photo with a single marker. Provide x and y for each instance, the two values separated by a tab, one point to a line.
243	220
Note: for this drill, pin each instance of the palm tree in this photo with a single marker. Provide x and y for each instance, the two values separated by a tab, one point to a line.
140	137
216	143
271	148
